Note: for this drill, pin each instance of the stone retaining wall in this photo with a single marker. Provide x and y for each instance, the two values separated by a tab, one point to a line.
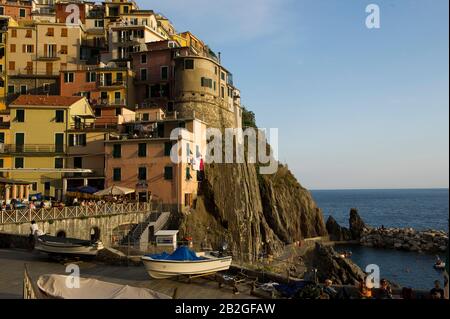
430	241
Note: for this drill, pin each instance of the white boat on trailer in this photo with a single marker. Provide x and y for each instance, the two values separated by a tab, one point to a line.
184	262
67	246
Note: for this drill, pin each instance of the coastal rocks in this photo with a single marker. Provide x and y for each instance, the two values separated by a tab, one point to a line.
336	232
357	225
330	265
339	233
408	239
254	214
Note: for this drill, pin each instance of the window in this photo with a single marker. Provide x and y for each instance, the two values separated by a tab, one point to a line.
23	89
12	65
99	24
29	34
188	173
47	186
2	137
64	49
164	72
69	77
168	173
143	59
20	116
117	174
2	11
14	33
143	74
1	166
205	82
167	148
59	162
222	91
46	87
29	48
91	77
142	150
142	173
64	32
12	48
18	162
145	117
11	89
34	186
126	9
188	64
117	151
50	32
59	116
222	76
22	13
98	112
77	140
77	162
119	77
215	70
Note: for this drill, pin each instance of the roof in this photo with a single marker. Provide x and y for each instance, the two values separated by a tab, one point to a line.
46	100
13	181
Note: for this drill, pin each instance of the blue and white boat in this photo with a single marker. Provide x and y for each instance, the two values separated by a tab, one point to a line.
184	262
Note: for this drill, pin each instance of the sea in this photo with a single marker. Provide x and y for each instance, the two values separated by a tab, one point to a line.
420	209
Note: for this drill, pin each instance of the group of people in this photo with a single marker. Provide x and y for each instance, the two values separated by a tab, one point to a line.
383	292
15	204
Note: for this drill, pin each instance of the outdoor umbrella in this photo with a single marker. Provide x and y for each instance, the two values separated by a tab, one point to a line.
115	190
87	190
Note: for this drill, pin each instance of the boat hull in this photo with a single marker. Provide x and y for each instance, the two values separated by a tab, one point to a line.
64	249
162	269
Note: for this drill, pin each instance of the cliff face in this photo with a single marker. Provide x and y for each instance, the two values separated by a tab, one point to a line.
253	214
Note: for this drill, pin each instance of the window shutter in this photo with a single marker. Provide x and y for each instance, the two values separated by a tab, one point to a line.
45	50
71	140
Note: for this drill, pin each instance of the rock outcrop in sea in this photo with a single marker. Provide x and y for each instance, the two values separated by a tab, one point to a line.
428	241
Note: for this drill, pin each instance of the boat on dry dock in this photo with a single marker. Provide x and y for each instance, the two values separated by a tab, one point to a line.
59	287
67	246
185	262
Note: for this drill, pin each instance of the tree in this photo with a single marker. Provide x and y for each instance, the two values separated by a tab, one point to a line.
248	118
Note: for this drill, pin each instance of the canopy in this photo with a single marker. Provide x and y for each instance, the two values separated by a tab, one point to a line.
115	190
181	254
87	189
56	286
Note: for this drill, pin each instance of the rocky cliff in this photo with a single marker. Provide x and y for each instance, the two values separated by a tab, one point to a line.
254	214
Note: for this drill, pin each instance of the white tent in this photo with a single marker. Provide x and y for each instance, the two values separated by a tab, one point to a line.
115	190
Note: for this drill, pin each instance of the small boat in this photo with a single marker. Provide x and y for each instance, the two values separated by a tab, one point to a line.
67	246
185	262
56	287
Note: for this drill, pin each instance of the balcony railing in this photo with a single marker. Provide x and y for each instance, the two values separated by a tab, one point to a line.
46	214
30	148
111	83
94	126
107	102
47	57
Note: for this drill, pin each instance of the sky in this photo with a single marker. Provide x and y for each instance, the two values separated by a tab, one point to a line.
355	107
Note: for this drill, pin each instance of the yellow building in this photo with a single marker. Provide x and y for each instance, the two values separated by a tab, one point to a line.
40	139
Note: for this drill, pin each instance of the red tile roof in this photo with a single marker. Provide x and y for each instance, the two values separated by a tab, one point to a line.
46	100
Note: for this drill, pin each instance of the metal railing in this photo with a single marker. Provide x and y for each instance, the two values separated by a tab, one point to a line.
31	148
111	83
70	212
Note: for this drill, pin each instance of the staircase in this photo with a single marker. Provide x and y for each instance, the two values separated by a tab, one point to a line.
156	219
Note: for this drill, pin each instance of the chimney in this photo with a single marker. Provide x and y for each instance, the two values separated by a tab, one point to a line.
220	57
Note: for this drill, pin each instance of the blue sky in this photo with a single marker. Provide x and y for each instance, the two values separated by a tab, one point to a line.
355	107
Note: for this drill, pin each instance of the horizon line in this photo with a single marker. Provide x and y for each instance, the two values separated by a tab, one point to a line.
374	189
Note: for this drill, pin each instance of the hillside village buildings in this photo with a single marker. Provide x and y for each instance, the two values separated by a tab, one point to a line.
92	100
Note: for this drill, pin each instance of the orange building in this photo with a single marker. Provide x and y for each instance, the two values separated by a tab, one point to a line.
16	9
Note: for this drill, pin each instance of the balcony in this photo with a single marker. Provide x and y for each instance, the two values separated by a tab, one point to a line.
31	149
111	84
47	57
93	127
107	102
